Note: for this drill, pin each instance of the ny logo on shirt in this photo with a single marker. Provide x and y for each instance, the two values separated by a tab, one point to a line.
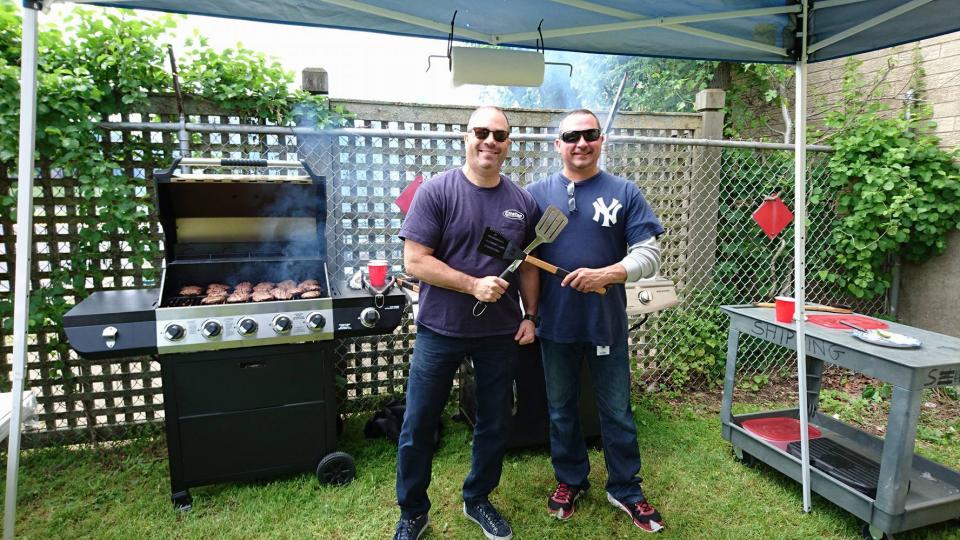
609	212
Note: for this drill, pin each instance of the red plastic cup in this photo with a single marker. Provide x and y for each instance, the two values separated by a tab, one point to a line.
377	270
784	309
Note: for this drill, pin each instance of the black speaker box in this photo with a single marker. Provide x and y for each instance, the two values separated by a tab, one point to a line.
530	422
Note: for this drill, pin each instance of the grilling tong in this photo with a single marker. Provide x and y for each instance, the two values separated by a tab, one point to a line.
497	245
548	228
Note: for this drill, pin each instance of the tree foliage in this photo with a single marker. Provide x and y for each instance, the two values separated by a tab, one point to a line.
100	64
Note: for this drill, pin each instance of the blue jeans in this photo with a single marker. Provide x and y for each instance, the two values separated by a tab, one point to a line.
435	361
610	375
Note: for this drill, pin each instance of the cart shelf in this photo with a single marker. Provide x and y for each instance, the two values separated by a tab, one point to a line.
907	491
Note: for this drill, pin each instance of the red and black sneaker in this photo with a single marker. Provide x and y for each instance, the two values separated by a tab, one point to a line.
564	500
644	515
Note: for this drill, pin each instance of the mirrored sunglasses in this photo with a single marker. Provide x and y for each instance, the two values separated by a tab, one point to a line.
571	201
588	135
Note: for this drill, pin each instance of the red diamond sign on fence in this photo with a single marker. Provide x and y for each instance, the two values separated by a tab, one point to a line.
773	216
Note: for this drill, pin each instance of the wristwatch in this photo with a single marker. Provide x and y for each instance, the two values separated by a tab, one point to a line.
534	318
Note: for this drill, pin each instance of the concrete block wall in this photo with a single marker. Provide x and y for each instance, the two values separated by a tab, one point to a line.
941	62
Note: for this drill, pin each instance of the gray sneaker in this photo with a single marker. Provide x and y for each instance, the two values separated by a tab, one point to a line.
490	521
411	529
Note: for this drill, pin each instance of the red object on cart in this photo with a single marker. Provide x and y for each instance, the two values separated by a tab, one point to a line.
779	430
833	321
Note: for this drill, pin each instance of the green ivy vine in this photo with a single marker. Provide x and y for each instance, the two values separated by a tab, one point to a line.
97	65
894	190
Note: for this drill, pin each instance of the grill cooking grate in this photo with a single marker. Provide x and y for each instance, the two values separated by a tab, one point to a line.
182	301
189	301
859	472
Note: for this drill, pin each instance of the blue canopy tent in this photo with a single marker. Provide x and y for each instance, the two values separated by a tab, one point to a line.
772	31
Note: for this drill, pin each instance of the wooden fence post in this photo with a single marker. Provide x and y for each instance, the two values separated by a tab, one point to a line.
704	190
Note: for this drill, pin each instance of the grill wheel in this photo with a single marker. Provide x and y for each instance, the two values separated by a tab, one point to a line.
336	468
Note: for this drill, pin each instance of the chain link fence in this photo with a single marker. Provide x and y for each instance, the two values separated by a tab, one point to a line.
704	193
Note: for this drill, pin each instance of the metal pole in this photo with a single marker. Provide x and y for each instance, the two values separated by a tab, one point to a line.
611	116
799	254
451	135
21	296
182	135
894	294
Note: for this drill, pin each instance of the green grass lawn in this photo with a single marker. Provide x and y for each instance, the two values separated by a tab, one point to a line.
122	491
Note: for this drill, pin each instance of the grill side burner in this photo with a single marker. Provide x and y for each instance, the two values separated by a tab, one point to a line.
111	324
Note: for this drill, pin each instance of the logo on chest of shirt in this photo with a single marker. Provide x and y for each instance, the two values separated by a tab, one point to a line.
609	212
515	215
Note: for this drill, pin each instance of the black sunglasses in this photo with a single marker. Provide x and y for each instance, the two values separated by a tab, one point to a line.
589	135
499	135
571	201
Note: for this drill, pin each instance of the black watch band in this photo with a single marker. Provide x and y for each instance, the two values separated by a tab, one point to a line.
534	318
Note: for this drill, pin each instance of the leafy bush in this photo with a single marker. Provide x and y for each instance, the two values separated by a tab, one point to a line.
894	190
98	65
697	331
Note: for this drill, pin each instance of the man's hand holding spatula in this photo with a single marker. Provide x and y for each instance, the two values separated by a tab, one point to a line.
489	289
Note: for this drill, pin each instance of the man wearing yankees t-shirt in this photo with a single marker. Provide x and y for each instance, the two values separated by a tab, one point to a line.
611	238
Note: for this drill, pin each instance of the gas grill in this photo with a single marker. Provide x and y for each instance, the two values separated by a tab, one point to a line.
248	385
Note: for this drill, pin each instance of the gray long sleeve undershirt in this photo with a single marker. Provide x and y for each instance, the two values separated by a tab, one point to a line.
642	260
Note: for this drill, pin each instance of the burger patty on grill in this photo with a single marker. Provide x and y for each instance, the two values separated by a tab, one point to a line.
261	296
190	290
311	294
214	299
238	297
281	294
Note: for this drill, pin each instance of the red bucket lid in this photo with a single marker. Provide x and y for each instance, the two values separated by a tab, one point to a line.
778	429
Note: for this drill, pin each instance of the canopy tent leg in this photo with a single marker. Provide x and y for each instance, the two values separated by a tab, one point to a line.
799	255
21	302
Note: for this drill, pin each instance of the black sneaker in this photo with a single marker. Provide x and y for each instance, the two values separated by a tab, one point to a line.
411	528
644	515
491	522
564	500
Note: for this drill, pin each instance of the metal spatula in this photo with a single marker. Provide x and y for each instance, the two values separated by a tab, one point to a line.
495	244
548	228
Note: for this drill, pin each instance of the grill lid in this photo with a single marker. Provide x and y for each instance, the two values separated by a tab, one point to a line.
241	216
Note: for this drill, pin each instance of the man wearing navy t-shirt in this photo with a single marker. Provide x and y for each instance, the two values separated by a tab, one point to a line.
611	239
441	233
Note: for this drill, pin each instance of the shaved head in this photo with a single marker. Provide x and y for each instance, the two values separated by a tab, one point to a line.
578	112
484	111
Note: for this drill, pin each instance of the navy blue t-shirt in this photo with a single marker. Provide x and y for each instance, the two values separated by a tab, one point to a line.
449	215
611	215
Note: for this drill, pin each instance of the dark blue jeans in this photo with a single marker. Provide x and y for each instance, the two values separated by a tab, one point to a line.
610	375
435	361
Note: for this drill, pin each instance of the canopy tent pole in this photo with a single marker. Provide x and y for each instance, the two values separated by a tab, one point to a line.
799	254
21	303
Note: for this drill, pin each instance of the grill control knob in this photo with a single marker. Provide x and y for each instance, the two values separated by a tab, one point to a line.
211	329
369	317
173	332
247	326
282	324
316	321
